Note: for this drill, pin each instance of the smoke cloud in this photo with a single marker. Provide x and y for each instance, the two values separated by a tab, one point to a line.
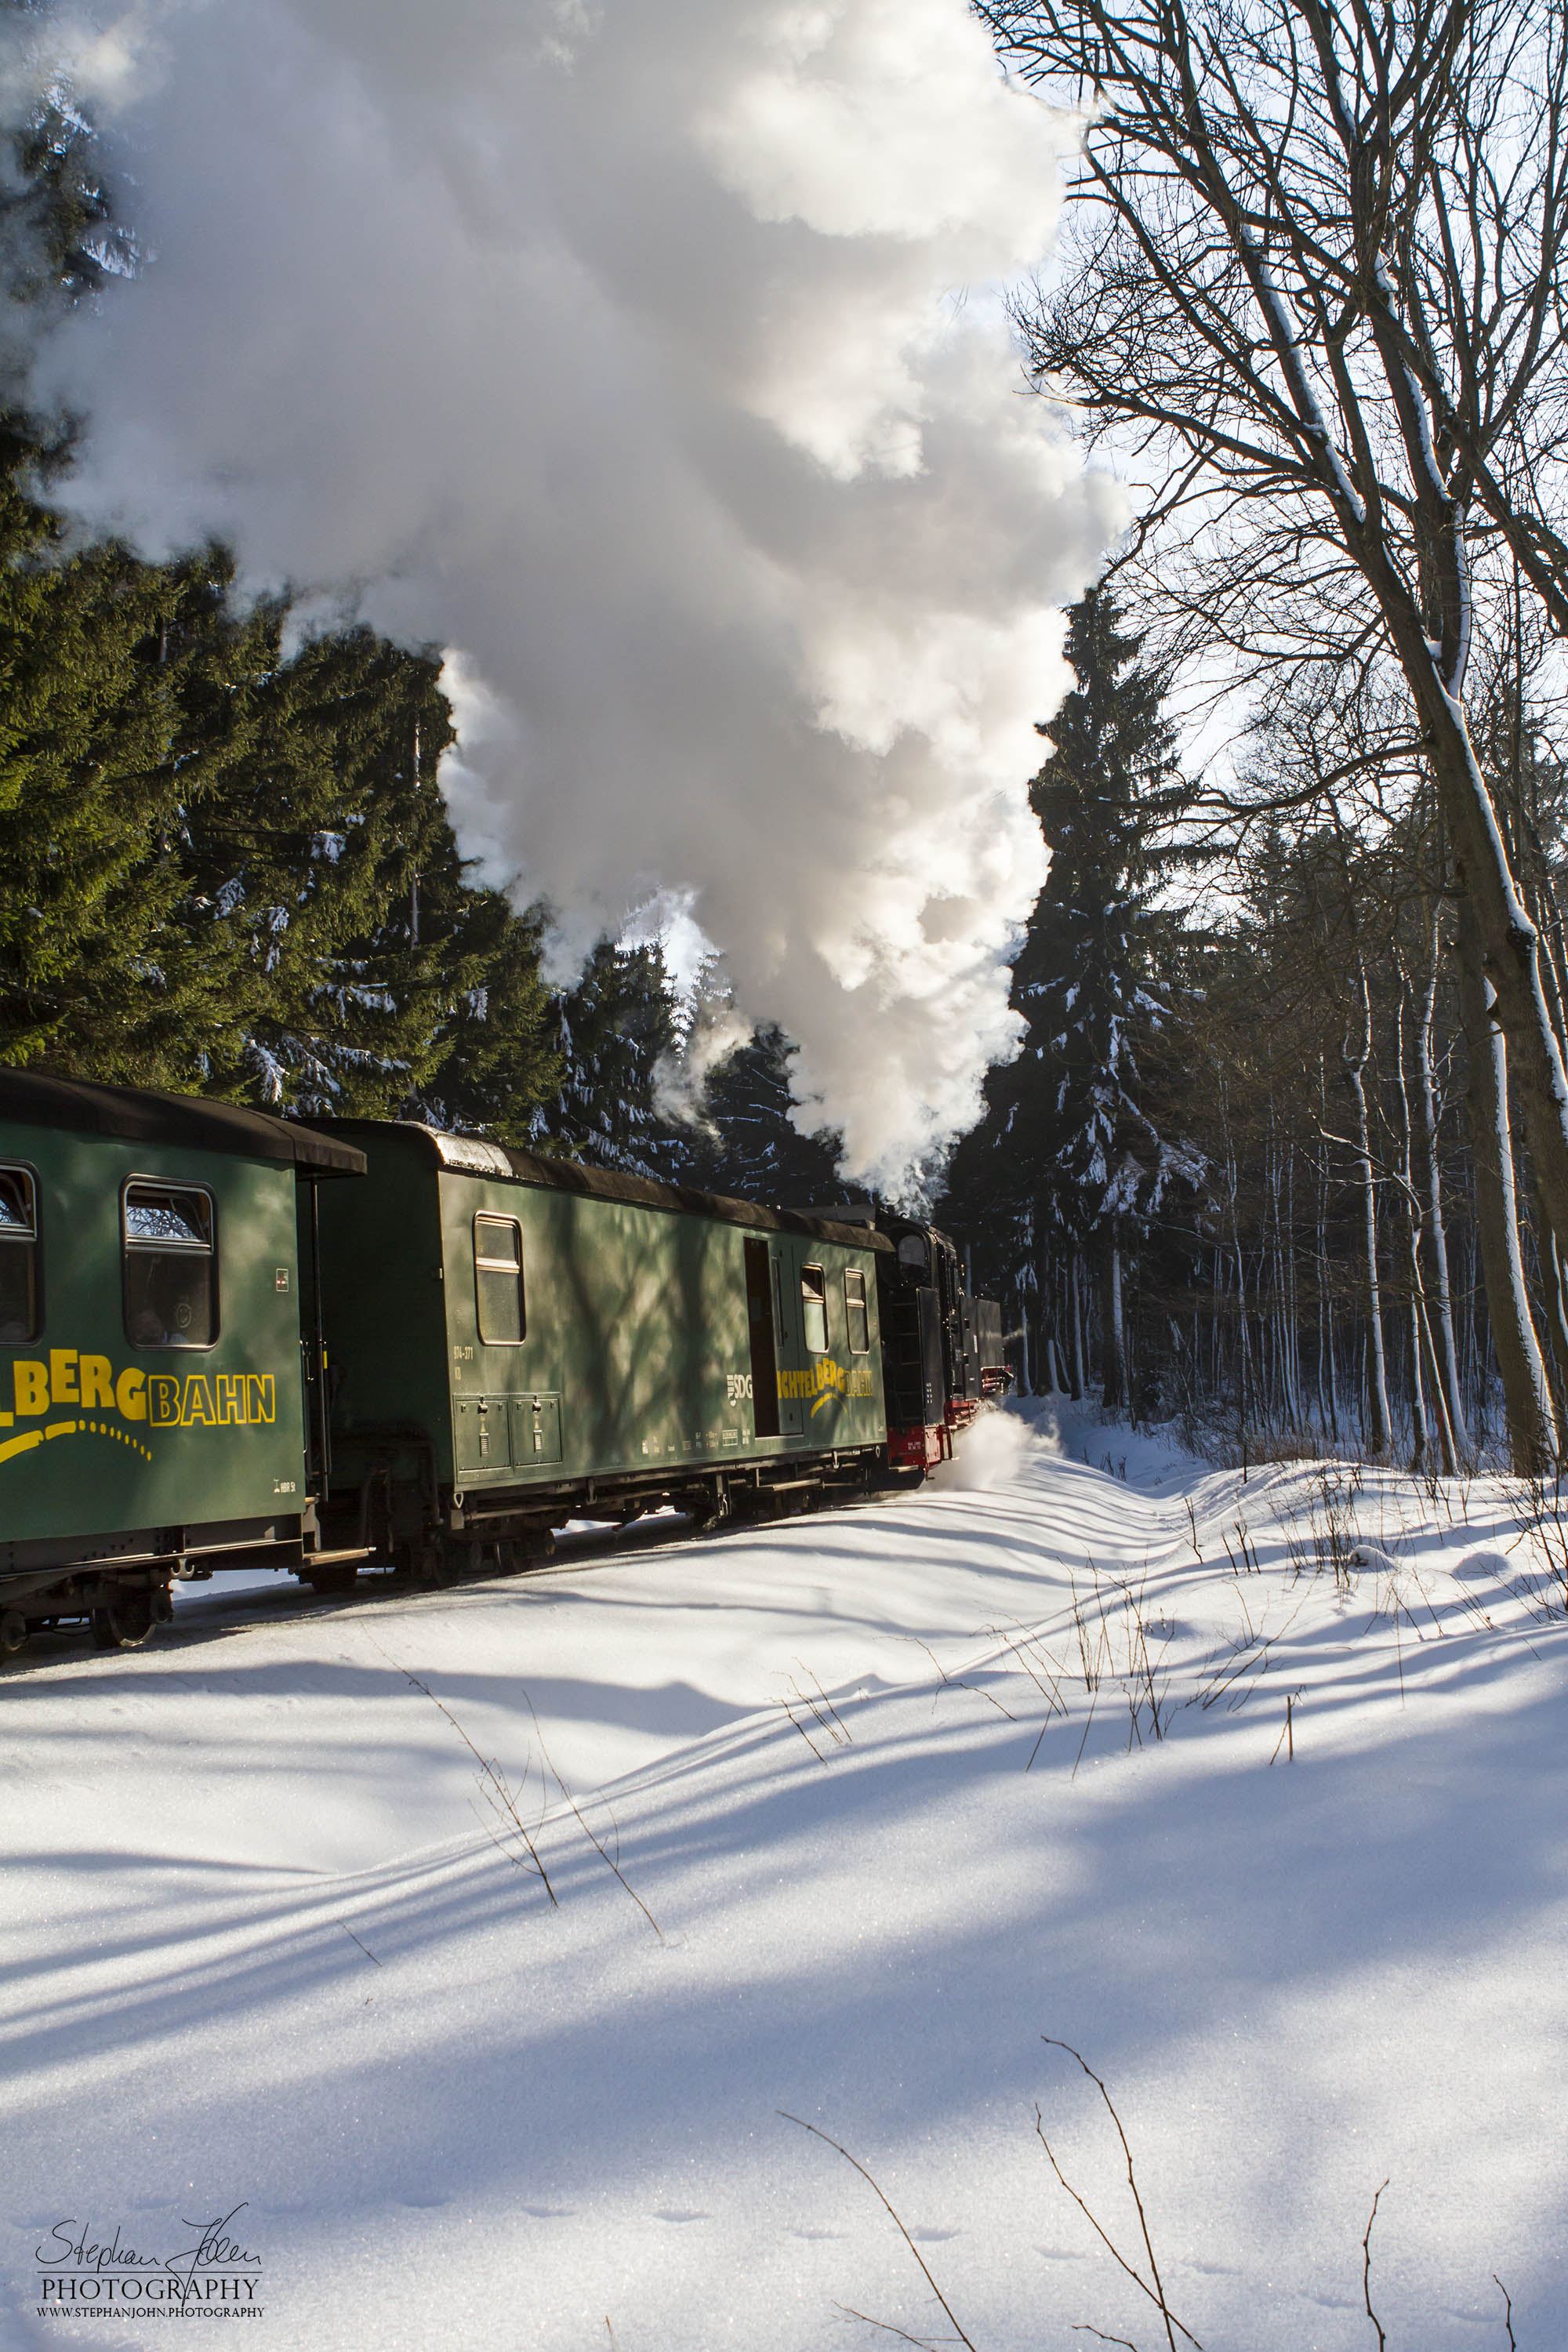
647	355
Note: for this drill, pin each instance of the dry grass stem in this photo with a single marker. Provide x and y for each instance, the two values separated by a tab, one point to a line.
829	2141
502	1798
1508	2311
1155	2291
609	1860
1366	2273
1287	1738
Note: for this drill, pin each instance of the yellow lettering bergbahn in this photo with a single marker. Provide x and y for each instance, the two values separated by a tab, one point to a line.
160	1399
228	1401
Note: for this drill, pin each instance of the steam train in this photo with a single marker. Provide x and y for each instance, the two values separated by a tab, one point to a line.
230	1342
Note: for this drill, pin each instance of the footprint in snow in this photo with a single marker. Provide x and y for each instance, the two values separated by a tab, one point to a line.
670	2214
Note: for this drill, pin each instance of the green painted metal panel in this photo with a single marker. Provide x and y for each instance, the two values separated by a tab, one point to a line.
482	1440
100	1435
637	1321
636	1346
536	1431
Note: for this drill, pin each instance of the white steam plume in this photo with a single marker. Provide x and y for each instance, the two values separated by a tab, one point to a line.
624	349
718	1030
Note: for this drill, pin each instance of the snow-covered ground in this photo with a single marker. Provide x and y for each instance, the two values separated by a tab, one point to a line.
889	1782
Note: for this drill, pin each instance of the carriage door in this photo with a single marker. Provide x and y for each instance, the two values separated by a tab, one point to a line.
760	1326
786	1284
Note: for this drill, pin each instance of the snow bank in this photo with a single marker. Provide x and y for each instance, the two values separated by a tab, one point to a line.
905	1788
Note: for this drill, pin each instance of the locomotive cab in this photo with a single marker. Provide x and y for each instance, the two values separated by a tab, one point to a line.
941	1349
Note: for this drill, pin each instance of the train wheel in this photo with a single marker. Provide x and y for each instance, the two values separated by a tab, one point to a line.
125	1623
13	1635
342	1577
435	1564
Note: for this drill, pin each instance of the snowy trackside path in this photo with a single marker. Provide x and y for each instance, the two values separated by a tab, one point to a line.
267	1942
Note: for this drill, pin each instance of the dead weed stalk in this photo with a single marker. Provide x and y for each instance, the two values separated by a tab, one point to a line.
1541	1517
1133	2266
1150	2287
515	1838
923	2341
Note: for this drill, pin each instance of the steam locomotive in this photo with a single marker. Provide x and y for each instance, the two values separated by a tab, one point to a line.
230	1342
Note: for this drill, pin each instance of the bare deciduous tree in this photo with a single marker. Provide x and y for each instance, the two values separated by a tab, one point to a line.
1317	287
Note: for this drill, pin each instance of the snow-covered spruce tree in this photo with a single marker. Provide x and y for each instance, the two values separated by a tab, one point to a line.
1068	1163
750	1146
611	1030
726	1096
221	870
375	981
103	659
108	967
312	857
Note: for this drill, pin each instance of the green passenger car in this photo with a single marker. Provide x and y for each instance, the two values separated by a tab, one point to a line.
152	1399
512	1339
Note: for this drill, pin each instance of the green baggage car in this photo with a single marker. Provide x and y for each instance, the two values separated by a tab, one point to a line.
153	1394
512	1341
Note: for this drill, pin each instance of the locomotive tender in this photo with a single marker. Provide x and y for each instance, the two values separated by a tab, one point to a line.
230	1340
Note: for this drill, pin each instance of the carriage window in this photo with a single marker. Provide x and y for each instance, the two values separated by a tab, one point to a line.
814	1310
171	1290
497	1281
855	1313
18	1256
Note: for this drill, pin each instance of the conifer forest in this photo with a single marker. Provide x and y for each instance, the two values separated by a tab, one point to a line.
1255	1165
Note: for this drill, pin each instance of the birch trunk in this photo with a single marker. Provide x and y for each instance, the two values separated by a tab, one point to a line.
1418	1389
1439	1410
1075	1288
1112	1337
1355	1082
1441	1297
1531	1432
1557	1310
1325	1295
1412	1241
